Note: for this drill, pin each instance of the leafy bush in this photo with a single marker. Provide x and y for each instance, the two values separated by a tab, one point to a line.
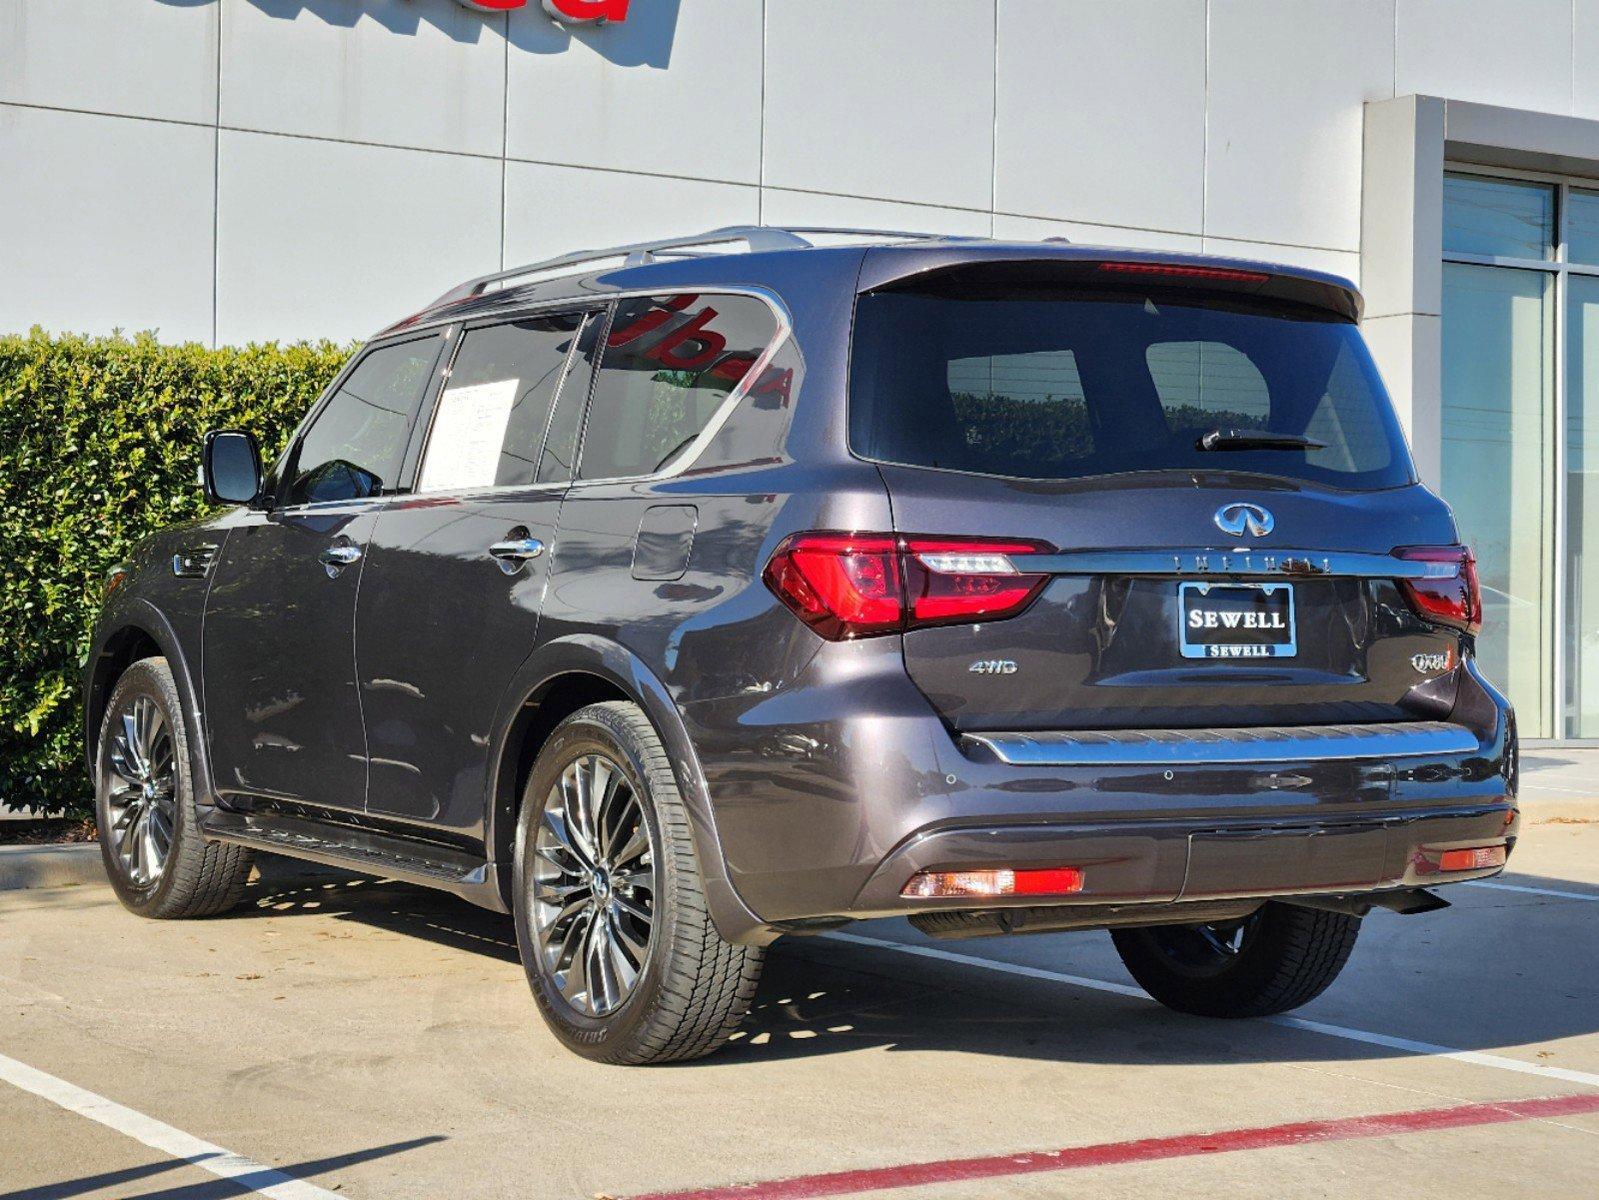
99	445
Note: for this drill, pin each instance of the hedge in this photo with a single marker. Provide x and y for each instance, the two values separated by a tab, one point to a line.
99	445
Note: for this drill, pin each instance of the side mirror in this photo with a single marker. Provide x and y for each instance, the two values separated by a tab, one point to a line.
230	467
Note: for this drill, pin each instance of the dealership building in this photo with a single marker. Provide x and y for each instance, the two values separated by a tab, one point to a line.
227	171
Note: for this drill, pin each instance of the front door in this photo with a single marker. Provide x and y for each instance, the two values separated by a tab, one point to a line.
278	664
455	574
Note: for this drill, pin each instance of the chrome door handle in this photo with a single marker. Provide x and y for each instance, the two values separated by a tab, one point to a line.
513	552
338	556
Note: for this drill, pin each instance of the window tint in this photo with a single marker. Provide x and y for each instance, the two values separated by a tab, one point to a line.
668	365
1208	384
356	444
488	426
1059	387
1009	405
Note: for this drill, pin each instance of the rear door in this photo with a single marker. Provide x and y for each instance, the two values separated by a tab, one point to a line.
1216	485
456	572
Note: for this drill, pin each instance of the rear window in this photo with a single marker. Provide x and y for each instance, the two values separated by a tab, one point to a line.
1063	388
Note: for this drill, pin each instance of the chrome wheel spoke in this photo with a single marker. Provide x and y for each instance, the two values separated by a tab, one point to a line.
560	842
625	940
636	846
130	742
632	908
592	885
138	779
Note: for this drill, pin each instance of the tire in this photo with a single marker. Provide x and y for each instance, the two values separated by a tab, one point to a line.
1276	959
194	877
688	988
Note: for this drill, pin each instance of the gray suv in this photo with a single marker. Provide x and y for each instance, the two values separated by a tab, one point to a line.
679	596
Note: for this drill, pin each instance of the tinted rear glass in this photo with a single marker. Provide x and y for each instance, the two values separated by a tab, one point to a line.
1063	388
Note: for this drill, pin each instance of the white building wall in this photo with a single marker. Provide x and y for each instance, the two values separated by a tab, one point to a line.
236	170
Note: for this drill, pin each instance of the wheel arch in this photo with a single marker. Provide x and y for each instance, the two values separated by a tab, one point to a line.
561	677
140	630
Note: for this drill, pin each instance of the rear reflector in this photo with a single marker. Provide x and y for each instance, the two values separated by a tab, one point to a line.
1475	859
1045	881
1181	271
850	585
1453	598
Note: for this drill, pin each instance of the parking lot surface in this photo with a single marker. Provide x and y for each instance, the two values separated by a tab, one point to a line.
344	1036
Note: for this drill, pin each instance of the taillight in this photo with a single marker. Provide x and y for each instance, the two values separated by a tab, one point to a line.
1452	596
850	585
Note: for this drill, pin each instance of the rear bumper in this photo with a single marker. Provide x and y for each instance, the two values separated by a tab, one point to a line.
828	801
1199	860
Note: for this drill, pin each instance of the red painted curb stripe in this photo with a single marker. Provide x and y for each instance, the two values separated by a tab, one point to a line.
958	1170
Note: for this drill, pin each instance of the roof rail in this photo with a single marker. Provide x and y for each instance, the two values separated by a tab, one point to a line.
756	237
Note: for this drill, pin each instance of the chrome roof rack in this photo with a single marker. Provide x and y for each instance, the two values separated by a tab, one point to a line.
755	238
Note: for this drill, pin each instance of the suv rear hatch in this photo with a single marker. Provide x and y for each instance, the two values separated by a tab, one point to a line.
1198	464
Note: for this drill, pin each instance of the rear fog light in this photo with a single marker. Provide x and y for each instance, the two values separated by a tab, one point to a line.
1475	859
1047	881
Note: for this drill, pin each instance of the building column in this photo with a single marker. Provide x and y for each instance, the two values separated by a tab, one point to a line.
1401	264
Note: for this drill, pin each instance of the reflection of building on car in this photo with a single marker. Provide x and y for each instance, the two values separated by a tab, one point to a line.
680	606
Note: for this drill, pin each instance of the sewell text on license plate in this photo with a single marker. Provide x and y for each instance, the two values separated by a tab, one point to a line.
1236	620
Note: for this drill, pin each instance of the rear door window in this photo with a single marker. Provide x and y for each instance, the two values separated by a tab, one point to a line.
490	421
1054	386
669	365
355	445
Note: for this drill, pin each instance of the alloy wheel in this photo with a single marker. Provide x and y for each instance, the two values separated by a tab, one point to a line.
1199	950
141	790
593	885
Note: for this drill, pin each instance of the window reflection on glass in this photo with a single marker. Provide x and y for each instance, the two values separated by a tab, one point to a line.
1504	218
1582	508
1498	435
1582	228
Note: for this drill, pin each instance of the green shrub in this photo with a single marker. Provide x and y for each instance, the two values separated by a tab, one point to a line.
99	445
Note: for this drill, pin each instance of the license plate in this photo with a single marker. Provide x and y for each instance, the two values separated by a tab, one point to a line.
1237	620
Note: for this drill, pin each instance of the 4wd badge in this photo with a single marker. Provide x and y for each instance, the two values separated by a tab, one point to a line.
993	666
1433	664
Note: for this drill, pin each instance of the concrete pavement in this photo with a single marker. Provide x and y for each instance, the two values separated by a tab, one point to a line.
377	1041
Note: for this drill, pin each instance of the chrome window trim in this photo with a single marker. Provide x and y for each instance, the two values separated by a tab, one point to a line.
1204	747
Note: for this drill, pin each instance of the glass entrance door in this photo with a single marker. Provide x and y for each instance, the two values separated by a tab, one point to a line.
1521	434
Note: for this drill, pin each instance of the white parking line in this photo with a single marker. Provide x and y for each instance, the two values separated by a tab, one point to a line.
1586	1078
257	1178
1531	891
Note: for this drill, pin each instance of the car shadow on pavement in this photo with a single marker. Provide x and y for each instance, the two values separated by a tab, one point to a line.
211	1189
1411	977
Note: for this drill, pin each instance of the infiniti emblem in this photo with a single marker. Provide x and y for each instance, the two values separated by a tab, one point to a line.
1235	518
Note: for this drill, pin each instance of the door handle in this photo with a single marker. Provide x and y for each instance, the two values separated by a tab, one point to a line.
339	555
515	551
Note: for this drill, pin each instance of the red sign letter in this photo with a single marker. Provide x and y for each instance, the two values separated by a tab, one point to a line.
581	12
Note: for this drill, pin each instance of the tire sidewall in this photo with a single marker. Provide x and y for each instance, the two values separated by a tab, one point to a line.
150	678
584	733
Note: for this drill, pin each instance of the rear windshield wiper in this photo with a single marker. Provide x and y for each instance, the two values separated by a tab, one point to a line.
1256	439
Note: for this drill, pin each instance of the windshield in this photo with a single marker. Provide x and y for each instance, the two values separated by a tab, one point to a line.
1060	387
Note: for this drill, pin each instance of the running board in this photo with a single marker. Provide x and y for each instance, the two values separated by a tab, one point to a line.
356	848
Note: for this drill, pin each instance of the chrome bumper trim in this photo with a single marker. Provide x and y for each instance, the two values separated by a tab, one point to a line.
1198	747
1215	563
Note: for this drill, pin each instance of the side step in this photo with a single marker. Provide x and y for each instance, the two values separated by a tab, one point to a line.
359	848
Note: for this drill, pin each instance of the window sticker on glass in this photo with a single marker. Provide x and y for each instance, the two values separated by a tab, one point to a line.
468	430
